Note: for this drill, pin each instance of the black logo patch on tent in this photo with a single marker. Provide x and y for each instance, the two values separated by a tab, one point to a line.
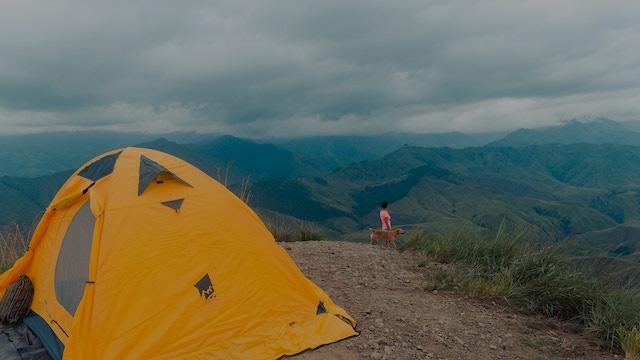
205	288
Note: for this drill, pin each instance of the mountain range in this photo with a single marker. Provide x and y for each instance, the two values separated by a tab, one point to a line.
32	155
229	159
563	189
576	184
330	152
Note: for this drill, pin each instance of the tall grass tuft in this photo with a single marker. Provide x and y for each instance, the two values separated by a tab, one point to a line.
485	256
417	240
618	308
12	245
630	340
302	232
544	284
308	232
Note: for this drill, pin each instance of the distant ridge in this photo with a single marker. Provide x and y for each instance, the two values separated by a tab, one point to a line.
330	152
260	161
599	131
31	155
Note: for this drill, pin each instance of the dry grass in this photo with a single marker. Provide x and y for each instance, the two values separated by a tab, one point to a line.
223	175
630	340
13	243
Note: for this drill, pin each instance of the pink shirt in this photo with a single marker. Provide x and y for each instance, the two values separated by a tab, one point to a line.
385	219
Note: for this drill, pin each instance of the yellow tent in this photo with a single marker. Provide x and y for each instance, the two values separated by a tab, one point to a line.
143	256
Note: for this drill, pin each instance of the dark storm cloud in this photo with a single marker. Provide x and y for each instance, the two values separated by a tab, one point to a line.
302	67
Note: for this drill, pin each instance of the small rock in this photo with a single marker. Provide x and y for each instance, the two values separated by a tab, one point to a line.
435	292
379	322
493	347
419	347
376	356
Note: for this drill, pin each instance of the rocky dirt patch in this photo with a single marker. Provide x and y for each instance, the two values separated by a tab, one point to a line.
400	318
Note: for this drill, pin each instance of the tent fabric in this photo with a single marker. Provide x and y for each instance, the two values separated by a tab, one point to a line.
100	168
211	283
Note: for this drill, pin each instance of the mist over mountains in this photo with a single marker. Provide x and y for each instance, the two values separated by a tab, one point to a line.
32	155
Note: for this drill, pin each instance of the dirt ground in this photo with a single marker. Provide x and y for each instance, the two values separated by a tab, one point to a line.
399	318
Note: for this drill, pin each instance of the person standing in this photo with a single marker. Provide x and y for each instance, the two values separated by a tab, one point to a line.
385	216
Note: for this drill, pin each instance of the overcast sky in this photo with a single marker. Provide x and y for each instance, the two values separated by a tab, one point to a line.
292	68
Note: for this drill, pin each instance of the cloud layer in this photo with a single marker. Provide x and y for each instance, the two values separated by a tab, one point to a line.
294	68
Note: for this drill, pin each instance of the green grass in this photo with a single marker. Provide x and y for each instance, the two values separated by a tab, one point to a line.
616	309
302	232
630	340
417	239
534	281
